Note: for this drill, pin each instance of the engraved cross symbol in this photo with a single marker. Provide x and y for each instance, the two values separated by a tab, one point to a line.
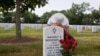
54	30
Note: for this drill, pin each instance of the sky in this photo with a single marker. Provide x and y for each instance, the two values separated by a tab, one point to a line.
64	5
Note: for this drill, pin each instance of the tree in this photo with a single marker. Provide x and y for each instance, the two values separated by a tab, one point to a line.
29	17
96	16
1	18
88	19
21	6
46	16
76	13
9	17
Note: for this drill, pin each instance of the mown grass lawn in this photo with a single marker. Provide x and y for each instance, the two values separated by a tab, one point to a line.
88	43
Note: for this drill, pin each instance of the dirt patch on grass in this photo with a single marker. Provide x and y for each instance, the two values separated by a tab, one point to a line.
13	40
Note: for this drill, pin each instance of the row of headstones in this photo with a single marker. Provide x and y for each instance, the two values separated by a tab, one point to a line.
36	26
8	26
80	28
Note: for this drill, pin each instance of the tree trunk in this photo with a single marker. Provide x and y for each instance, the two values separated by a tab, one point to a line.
18	23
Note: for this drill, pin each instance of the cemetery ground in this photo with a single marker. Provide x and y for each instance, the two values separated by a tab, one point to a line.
88	43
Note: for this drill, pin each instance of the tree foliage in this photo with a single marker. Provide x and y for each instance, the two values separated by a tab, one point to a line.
76	14
46	16
96	16
7	5
29	17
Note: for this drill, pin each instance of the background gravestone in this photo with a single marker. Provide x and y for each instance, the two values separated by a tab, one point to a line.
51	37
94	29
79	28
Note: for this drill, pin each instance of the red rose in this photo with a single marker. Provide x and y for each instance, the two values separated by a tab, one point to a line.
72	48
66	40
65	46
74	45
61	41
71	41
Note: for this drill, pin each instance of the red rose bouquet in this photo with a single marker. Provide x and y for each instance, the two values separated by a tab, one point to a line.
68	45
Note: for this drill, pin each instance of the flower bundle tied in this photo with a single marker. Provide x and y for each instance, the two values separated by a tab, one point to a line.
68	45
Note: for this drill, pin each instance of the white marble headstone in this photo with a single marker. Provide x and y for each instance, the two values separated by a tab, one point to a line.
79	28
22	26
75	27
94	29
8	26
38	26
86	27
51	37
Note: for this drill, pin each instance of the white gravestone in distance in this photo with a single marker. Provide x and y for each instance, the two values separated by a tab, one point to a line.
79	28
94	29
51	37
